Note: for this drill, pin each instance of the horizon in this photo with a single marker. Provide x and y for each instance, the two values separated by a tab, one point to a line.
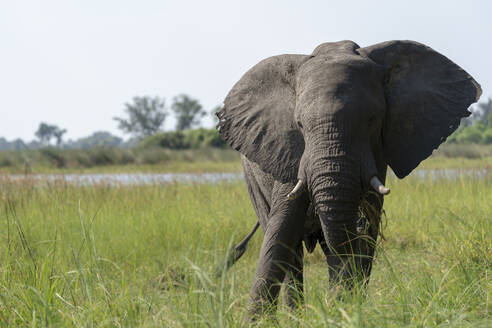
76	64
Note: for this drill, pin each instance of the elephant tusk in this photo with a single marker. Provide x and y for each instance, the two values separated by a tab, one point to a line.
296	191
379	186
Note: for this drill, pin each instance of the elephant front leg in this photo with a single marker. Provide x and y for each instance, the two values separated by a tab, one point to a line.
279	250
294	280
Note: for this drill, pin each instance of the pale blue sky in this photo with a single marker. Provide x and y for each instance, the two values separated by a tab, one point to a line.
75	63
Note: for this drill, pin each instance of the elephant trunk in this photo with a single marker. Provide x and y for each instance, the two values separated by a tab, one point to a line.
335	184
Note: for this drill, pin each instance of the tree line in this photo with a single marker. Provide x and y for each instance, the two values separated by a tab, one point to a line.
143	116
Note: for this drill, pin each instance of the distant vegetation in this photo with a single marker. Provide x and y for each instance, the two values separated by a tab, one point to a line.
477	128
46	132
188	111
97	139
200	145
191	139
146	115
150	145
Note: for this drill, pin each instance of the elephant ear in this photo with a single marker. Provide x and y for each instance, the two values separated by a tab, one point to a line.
426	96
258	117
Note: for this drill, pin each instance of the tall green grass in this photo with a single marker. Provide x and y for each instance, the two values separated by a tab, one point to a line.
144	256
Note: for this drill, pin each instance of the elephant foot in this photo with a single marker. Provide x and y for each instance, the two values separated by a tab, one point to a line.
263	307
294	297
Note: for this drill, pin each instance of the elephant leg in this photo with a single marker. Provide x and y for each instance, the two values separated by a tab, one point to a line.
283	234
294	280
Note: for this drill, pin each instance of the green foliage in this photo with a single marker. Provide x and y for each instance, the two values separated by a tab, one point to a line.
146	115
477	128
144	256
170	140
117	159
487	137
188	112
200	138
47	131
54	156
190	139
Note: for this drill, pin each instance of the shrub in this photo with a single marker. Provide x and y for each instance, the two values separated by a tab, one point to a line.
204	138
170	140
471	134
478	133
55	156
487	137
190	139
6	162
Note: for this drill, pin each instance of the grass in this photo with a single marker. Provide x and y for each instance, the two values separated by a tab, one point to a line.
144	256
167	167
454	156
106	160
441	162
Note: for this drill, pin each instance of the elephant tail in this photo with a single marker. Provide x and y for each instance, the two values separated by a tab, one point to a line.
236	252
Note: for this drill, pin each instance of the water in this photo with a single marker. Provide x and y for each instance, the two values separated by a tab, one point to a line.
166	178
131	178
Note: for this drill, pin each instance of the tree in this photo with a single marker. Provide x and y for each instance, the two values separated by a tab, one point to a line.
47	131
146	116
58	134
188	112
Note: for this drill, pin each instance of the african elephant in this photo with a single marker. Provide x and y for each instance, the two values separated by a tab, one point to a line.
316	134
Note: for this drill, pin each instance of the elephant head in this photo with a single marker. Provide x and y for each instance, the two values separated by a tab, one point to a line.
334	120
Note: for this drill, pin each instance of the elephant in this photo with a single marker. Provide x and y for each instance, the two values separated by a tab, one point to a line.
316	134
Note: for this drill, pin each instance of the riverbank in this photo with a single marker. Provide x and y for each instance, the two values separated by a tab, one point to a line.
152	160
159	160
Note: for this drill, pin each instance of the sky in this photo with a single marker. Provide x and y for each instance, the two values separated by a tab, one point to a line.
75	63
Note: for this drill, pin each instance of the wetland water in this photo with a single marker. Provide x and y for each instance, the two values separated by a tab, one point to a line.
166	178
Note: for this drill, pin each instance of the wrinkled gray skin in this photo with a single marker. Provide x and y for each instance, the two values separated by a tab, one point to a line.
335	119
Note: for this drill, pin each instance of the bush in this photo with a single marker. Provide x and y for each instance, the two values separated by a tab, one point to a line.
54	156
487	137
6	162
179	140
170	140
204	138
477	133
